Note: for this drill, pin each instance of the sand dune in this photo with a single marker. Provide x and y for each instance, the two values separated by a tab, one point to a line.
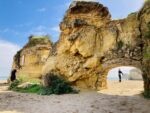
118	98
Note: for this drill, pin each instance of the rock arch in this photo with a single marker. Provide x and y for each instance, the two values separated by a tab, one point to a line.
91	43
107	67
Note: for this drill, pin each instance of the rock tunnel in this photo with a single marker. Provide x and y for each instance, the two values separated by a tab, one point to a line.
103	83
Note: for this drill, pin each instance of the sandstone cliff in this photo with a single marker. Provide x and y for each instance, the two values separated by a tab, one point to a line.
30	60
91	43
144	18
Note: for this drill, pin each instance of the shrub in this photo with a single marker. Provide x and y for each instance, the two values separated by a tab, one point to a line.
14	85
25	78
120	44
147	34
146	94
34	40
34	88
57	85
45	91
31	89
147	53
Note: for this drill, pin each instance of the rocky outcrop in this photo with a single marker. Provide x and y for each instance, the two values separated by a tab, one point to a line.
90	44
144	18
80	46
30	60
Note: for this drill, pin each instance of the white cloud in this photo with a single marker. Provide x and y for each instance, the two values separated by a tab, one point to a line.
7	51
8	30
43	30
39	30
42	9
24	25
55	28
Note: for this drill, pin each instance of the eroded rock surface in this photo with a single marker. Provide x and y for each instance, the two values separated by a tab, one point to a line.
91	43
30	60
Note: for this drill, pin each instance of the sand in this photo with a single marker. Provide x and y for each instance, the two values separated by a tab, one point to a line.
118	98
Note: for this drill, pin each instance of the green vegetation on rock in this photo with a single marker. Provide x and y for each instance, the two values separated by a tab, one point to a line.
58	86
34	88
25	78
40	40
146	94
147	34
146	66
14	84
120	44
147	53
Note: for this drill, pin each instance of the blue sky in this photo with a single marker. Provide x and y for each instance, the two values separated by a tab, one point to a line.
21	18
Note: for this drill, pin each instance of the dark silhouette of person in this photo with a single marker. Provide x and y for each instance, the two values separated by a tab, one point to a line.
13	75
119	75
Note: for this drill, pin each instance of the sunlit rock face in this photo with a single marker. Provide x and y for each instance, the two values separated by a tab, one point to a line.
80	47
90	44
30	60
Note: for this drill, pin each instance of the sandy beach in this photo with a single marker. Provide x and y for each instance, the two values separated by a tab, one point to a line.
118	98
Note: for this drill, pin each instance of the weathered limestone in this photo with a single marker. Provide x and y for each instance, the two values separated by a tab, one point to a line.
30	60
91	44
144	18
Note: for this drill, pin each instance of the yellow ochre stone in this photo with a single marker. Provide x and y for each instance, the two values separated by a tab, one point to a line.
90	44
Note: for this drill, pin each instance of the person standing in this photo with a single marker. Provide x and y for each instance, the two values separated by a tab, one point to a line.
119	74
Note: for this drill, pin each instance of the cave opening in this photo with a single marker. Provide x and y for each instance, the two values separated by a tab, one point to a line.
131	81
